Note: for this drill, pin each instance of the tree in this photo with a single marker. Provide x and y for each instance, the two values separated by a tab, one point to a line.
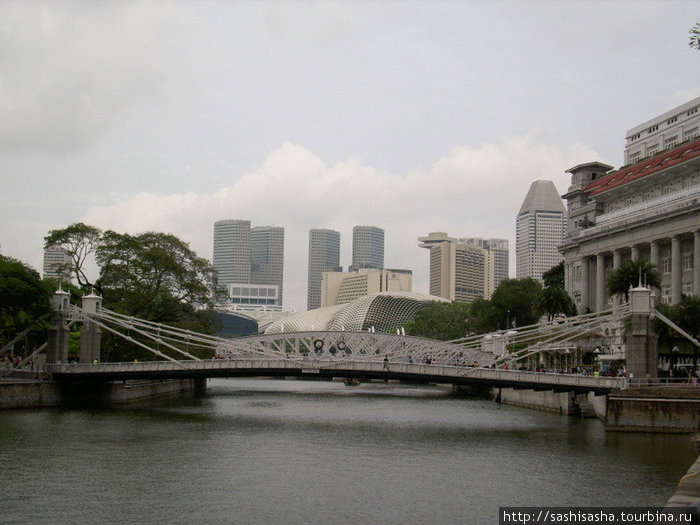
694	40
154	276
515	301
554	300
485	318
80	241
441	320
24	298
554	276
686	314
629	275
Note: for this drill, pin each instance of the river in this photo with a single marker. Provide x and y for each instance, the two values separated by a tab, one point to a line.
273	452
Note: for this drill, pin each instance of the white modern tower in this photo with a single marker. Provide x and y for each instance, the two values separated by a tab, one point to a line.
324	256
540	229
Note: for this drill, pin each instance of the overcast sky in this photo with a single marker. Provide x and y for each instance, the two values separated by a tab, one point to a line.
411	116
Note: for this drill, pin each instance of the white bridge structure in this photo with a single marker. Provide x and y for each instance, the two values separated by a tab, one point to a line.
342	354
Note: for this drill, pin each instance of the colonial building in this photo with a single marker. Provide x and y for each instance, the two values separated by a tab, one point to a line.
646	210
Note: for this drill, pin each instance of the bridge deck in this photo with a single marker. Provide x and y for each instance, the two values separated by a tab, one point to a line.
250	367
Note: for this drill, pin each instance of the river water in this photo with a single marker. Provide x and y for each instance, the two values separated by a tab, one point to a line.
300	452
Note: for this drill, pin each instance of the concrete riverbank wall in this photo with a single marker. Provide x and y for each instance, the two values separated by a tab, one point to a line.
566	403
48	394
655	409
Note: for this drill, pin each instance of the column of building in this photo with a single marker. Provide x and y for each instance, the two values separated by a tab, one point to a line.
597	284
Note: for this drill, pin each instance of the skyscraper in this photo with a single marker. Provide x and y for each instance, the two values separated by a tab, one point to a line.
246	256
57	263
540	228
457	270
232	251
324	256
367	247
496	261
267	257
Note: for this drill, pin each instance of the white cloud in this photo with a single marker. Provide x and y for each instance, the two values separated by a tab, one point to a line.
66	71
472	191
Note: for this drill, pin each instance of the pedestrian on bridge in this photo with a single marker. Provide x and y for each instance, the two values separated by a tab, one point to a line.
386	362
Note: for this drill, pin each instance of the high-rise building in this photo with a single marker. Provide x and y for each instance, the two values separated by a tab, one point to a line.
540	228
245	256
367	247
496	261
343	287
267	257
57	263
324	256
457	270
232	251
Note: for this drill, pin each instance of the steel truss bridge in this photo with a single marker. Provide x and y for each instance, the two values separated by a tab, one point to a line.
343	354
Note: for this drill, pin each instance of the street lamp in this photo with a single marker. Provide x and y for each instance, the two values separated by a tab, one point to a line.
674	357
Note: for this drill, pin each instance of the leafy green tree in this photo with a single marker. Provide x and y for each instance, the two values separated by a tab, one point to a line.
154	276
686	314
485	317
80	241
516	302
554	277
24	298
441	320
629	275
554	300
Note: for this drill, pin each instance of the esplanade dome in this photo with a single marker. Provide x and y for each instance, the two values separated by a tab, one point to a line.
383	312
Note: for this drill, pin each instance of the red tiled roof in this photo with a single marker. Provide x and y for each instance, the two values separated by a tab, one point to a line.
645	167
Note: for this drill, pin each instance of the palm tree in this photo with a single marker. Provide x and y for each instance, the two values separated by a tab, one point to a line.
554	300
631	274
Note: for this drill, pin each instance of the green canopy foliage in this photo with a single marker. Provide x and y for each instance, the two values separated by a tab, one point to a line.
80	241
554	277
516	302
153	276
441	320
554	301
629	275
25	299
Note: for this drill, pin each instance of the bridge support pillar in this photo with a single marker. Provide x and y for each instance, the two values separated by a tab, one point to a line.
91	335
642	352
57	347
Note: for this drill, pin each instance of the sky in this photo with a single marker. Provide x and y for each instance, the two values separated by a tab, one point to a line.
414	116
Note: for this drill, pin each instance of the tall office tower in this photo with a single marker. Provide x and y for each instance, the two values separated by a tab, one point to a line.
232	251
267	257
457	270
57	263
324	256
540	229
367	247
496	261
